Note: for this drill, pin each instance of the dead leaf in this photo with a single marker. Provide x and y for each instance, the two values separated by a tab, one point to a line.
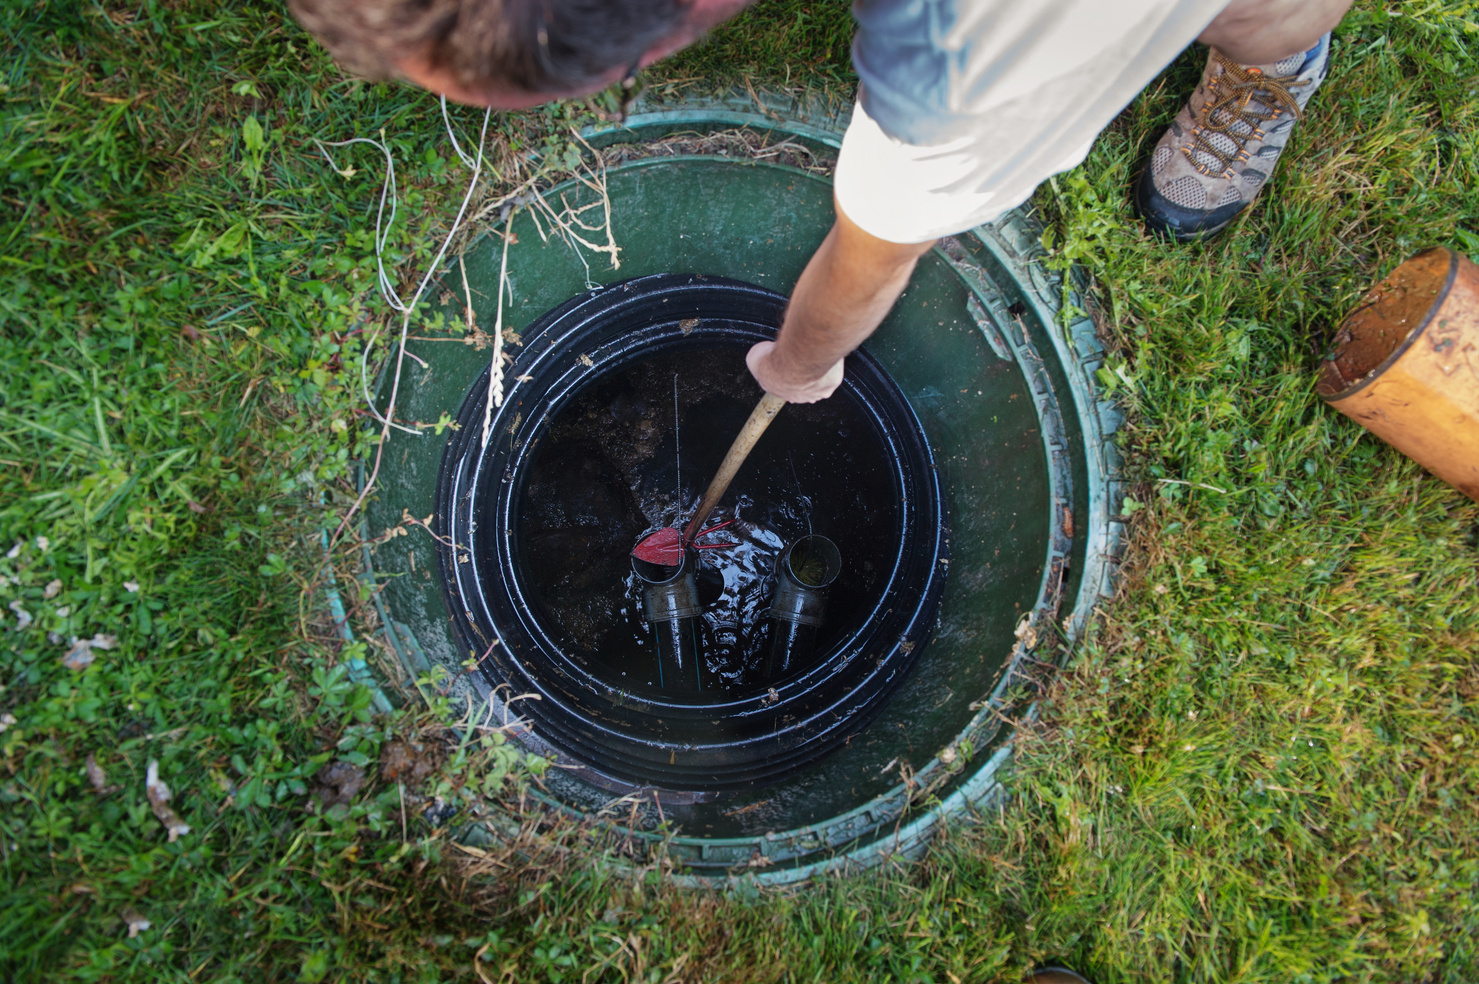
1026	632
338	783
407	761
95	773
23	618
98	777
190	332
80	656
6	720
159	797
52	590
196	507
135	921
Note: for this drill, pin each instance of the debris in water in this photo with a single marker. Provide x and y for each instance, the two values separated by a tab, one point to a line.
809	568
159	797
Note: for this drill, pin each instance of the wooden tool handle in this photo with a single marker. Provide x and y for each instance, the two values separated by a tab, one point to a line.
760	419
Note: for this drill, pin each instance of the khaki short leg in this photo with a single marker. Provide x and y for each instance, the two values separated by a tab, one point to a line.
1032	83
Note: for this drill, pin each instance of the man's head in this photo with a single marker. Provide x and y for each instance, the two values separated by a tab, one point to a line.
507	54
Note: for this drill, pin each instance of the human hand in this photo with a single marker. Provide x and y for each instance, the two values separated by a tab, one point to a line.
792	383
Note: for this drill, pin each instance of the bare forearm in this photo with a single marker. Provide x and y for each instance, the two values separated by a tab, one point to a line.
836	306
845	292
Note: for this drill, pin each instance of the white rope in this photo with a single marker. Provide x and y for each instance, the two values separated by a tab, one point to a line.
382	227
457	147
382	237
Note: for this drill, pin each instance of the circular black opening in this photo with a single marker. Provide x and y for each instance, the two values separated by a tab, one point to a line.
583	459
632	451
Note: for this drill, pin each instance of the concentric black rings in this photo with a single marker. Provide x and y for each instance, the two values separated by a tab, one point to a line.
724	741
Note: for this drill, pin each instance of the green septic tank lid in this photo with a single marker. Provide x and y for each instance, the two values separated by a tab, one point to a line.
1006	395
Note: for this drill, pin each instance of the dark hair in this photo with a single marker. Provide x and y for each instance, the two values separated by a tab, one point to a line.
536	45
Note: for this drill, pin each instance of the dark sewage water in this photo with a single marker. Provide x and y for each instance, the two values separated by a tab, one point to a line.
634	451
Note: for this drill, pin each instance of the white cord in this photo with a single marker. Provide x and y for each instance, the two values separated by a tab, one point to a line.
382	227
382	237
456	147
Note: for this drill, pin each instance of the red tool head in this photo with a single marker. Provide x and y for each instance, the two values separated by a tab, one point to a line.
665	546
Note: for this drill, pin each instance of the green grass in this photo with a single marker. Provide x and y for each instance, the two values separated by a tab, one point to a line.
1260	768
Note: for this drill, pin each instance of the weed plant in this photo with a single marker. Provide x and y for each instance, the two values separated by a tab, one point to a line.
1260	768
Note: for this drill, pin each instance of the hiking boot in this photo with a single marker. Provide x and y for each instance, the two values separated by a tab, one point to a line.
1222	147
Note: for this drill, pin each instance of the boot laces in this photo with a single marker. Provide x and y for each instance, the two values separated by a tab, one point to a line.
1245	100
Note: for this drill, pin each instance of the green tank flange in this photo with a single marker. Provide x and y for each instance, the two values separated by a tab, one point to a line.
740	187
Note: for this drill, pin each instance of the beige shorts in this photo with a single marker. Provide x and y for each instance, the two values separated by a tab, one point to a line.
1031	88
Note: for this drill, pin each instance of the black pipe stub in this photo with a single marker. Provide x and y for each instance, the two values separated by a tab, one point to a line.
803	571
669	593
798	609
671	606
597	443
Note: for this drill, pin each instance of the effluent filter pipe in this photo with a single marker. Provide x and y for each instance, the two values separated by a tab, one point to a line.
671	606
802	573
